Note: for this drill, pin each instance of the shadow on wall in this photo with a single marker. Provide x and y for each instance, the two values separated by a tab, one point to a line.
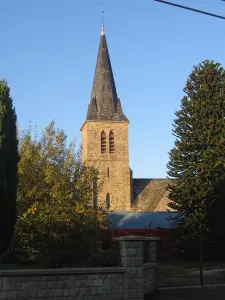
136	220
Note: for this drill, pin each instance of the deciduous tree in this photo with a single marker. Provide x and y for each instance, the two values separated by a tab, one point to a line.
56	216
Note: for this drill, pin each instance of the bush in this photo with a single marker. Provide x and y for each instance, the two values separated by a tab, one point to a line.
104	258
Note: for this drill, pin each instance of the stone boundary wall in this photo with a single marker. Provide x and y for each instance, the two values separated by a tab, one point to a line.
63	284
139	277
132	281
149	277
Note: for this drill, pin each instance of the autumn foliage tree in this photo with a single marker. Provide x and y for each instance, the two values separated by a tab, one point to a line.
197	161
56	218
8	166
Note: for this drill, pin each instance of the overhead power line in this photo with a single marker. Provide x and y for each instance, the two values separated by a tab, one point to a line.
192	9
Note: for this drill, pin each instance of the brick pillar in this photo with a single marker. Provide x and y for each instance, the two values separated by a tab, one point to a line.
152	249
131	251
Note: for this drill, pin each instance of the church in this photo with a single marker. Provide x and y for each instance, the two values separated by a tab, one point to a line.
105	146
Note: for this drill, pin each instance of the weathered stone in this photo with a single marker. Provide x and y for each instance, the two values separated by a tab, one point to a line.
25	286
97	291
14	295
17	279
80	283
132	252
76	292
97	276
77	298
32	278
133	272
4	295
33	293
110	289
23	295
5	284
89	282
87	291
58	292
75	284
110	276
115	297
99	297
64	277
134	293
51	285
79	277
45	293
125	261
136	261
32	286
16	286
62	284
133	284
98	282
152	246
50	278
42	285
66	293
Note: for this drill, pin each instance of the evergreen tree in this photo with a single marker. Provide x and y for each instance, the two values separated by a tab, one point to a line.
197	161
8	166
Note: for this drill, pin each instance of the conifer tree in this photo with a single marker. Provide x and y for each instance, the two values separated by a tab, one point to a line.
197	161
8	166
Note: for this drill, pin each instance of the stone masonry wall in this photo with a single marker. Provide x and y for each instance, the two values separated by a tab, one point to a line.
132	281
63	284
139	278
114	177
149	278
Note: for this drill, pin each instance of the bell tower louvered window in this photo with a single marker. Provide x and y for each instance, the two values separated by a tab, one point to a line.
111	142
103	142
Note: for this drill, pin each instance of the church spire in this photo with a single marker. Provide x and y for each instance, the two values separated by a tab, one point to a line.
103	30
104	103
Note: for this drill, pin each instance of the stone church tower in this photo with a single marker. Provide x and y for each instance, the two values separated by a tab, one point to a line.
105	137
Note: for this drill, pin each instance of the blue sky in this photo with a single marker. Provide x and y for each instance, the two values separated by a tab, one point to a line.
48	54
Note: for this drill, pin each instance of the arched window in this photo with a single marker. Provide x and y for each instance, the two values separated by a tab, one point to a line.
111	142
108	172
107	201
103	142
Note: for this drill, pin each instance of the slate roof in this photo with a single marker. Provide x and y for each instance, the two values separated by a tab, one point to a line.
104	104
148	193
139	220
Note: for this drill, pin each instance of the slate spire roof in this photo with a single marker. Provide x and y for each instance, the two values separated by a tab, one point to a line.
104	103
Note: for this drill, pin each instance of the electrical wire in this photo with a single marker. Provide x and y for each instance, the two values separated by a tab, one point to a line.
192	9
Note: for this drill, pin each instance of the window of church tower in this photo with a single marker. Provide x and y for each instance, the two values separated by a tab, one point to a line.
103	142
111	142
107	201
108	172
